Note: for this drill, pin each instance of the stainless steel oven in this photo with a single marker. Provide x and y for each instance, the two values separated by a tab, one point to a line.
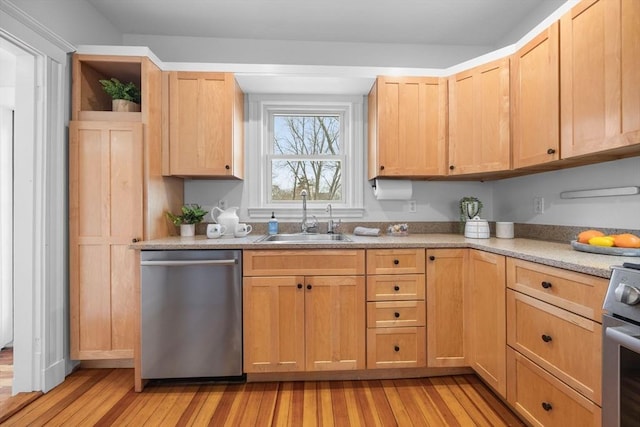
621	348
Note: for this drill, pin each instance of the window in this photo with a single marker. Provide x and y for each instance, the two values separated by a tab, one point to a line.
297	143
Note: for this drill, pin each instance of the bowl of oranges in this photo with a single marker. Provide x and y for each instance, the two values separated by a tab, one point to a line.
595	241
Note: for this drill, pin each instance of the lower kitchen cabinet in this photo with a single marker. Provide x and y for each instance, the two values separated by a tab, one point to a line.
446	276
543	400
296	322
486	318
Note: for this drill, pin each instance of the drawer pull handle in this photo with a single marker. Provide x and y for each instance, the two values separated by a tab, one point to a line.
396	261
551	151
546	285
396	348
396	288
432	258
396	314
546	338
135	240
547	406
299	285
309	286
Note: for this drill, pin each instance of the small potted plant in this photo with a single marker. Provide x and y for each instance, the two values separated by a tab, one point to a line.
125	96
191	215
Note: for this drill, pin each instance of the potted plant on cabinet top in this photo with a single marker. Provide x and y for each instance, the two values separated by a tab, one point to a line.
125	96
191	215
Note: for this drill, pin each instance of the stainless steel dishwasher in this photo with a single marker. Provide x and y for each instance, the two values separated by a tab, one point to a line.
191	313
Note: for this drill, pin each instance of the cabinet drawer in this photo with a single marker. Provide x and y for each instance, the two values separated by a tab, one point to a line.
395	288
395	261
567	345
529	387
395	314
331	262
579	293
396	348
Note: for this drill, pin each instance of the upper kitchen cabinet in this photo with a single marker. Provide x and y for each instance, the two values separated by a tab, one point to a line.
599	79
206	115
407	127
535	100
479	140
91	102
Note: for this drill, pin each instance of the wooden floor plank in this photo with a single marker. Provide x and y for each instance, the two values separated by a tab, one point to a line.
104	397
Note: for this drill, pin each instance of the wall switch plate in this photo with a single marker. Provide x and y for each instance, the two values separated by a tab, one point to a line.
538	205
412	206
222	204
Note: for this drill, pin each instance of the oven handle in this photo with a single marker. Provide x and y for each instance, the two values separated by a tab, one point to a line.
176	263
620	337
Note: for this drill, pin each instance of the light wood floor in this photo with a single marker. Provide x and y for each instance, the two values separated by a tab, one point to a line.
105	397
11	404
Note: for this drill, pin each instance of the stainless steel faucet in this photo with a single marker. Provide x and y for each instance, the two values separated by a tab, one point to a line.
306	226
330	225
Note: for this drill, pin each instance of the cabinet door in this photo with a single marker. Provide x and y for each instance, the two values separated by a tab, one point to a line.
486	321
535	100
479	139
407	119
599	77
446	274
204	109
273	316
105	214
335	322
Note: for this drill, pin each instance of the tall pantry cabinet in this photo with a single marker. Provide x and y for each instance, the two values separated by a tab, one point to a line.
117	195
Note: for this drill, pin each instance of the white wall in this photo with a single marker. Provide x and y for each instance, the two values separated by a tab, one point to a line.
75	21
513	198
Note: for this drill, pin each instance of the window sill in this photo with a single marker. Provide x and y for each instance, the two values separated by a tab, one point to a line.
296	213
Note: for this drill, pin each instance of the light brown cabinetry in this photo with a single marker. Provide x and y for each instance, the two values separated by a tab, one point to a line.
303	310
116	194
535	100
600	87
206	114
407	127
395	308
486	318
555	343
479	137
446	277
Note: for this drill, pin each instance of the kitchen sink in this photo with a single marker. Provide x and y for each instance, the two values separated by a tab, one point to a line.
303	237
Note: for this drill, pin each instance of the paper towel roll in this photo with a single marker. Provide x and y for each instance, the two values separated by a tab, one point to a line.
392	189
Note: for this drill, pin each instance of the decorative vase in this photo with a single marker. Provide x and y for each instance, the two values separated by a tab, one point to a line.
187	230
124	106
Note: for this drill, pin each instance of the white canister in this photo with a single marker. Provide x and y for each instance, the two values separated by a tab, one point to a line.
504	230
477	228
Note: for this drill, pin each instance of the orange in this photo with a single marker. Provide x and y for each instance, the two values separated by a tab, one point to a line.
627	240
584	236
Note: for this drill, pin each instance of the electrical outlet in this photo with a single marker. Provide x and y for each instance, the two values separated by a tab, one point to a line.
538	205
222	204
412	206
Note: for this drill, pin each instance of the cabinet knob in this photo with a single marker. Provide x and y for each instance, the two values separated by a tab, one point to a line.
227	167
396	314
396	288
299	285
547	406
431	258
452	167
546	285
396	261
396	348
135	240
551	151
546	338
381	167
309	286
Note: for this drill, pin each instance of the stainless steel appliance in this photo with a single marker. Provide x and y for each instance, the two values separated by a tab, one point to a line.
191	309
621	348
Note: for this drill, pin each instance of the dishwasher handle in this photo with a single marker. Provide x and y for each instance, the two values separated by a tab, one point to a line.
177	263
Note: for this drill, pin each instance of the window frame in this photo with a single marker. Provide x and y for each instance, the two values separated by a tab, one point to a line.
259	143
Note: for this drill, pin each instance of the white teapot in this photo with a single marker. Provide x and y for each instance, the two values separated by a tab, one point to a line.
228	218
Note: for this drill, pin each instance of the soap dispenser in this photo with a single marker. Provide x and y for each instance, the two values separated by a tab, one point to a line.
273	224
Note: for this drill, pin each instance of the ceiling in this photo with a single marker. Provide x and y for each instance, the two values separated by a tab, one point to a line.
437	22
